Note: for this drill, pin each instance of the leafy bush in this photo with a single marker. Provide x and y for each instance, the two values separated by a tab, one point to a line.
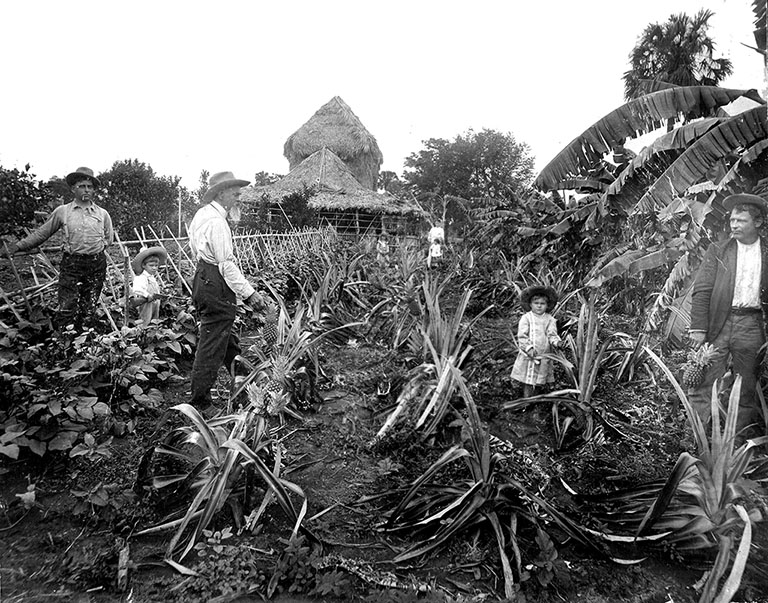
20	197
56	387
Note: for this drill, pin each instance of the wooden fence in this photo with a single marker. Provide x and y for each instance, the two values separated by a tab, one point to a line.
33	275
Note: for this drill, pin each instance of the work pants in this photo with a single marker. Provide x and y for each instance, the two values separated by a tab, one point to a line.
81	279
217	344
741	338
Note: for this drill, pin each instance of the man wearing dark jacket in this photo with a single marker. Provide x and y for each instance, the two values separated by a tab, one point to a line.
728	307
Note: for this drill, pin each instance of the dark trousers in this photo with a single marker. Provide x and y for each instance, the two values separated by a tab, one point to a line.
81	279
217	344
741	338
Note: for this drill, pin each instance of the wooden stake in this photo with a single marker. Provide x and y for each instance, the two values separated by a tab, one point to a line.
173	264
126	275
18	279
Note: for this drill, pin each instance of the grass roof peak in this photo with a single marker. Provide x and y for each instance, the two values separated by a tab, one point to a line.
335	126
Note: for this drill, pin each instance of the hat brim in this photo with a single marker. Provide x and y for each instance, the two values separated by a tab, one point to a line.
538	291
745	199
211	193
137	262
76	177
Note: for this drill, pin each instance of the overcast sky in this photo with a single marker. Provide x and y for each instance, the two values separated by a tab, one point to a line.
186	86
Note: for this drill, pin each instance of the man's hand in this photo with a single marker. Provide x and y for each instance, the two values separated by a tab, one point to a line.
697	339
12	248
256	302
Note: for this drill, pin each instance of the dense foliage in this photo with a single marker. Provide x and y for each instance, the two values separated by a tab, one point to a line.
21	195
135	196
678	52
472	166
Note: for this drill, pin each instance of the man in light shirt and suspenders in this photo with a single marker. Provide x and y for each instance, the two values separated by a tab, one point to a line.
217	285
730	297
87	233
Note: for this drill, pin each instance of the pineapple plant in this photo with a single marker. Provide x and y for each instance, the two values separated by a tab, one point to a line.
696	365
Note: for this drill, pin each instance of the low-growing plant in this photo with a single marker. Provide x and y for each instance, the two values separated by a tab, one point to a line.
59	386
700	505
102	501
589	357
436	513
296	568
91	449
444	348
215	455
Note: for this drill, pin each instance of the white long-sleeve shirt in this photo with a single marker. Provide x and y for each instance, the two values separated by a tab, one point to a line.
211	241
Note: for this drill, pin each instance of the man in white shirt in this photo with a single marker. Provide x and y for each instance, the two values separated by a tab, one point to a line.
217	285
730	297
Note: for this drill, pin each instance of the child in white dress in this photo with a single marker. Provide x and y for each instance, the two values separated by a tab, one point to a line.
536	335
146	293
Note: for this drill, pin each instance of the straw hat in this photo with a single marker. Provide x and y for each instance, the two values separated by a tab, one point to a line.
221	181
746	199
538	291
82	173
137	262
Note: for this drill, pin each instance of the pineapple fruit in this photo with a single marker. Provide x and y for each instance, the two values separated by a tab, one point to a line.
698	362
269	331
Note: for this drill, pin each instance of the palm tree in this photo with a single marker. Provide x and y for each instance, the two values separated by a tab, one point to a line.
679	53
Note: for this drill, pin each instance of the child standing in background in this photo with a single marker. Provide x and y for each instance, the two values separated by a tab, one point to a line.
146	292
382	249
536	335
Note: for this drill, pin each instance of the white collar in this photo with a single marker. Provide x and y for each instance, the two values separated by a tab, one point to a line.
217	206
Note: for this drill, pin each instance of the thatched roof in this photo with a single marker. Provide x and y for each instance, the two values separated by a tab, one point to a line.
335	127
336	188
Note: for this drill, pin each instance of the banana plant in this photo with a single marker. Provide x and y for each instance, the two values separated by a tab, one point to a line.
655	189
636	117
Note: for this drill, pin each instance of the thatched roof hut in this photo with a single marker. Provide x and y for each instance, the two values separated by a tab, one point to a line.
337	195
334	126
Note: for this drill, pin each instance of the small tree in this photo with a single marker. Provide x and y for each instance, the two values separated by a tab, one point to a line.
135	196
475	165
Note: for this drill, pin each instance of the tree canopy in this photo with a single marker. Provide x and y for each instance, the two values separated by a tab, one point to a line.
475	164
135	196
677	53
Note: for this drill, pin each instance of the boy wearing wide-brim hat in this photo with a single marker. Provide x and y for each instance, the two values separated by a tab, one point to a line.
146	293
728	309
87	233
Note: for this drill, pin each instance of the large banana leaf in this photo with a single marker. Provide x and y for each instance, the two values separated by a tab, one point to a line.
735	134
653	160
714	211
582	184
636	117
759	9
631	262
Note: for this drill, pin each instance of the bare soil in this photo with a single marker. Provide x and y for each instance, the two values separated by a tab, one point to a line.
48	553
